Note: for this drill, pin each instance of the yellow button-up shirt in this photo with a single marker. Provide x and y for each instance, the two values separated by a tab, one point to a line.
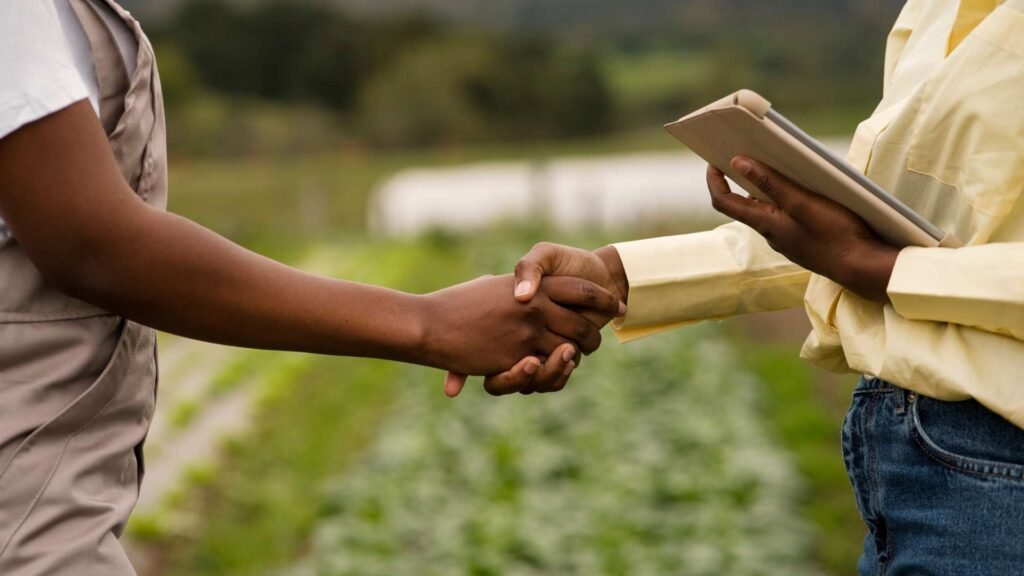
948	139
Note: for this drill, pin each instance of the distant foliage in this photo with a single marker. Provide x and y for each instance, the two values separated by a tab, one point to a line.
473	88
404	81
522	71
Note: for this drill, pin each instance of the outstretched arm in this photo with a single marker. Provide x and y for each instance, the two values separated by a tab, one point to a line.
64	198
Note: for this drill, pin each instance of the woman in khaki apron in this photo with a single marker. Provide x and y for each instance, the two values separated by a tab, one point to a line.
78	378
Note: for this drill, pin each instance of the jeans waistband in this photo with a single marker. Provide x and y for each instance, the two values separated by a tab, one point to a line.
871	383
901	397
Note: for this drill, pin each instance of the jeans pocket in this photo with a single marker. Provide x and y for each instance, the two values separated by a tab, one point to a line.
969	438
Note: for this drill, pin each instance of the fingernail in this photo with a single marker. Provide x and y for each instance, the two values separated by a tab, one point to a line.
568	353
523	288
531	368
569	368
742	165
622	308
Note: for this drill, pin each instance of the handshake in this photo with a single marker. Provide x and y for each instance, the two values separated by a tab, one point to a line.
526	332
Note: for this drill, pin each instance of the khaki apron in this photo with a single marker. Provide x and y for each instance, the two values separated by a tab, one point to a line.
78	384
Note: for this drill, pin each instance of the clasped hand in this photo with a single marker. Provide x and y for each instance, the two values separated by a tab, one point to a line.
561	299
563	296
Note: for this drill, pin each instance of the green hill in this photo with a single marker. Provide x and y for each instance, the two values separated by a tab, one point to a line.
609	16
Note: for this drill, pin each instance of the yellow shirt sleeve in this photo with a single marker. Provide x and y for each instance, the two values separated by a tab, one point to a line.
978	286
707	275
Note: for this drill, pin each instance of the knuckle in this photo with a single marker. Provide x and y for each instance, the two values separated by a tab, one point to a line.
798	207
524	267
588	295
526	336
542	248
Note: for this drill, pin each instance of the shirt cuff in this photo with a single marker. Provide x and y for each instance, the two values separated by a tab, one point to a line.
676	279
710	275
947	285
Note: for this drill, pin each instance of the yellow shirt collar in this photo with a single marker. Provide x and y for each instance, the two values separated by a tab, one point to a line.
968	16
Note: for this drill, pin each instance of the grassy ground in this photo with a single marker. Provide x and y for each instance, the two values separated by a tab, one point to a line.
806	413
656	461
805	407
315	485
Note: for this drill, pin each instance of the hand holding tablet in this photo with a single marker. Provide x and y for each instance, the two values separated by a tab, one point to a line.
744	124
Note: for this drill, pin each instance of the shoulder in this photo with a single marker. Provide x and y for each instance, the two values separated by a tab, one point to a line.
38	75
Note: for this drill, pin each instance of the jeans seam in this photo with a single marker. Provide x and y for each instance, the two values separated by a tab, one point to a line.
871	464
889	549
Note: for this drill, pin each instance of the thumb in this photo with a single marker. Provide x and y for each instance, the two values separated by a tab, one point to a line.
453	384
529	271
528	276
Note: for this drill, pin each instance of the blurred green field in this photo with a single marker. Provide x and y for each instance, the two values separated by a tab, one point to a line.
649	463
285	497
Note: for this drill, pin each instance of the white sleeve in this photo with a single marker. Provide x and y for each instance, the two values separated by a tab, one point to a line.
37	72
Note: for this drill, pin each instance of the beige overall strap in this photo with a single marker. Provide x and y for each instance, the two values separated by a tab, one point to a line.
111	72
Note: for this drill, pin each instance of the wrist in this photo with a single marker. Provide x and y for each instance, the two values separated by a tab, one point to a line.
613	262
868	271
423	344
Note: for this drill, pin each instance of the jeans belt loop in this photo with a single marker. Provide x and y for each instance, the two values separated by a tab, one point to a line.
900	398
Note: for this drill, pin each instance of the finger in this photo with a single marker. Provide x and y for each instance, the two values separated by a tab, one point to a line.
757	215
564	324
541	260
552	370
453	384
564	379
581	293
560	381
785	193
519	377
595	318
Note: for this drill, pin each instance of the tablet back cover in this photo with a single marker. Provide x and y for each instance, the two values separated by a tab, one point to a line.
736	126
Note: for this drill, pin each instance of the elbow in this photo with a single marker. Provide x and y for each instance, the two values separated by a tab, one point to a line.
87	280
85	269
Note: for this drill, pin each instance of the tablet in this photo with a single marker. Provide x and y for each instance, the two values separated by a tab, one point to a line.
745	124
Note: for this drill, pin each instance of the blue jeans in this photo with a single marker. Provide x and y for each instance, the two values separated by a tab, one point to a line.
940	485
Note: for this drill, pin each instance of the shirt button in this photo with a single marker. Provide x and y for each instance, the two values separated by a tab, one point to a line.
911	397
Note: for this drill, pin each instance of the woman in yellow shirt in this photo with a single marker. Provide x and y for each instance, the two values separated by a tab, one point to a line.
934	441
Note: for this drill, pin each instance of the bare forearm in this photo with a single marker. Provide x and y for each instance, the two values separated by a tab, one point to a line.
89	234
174	275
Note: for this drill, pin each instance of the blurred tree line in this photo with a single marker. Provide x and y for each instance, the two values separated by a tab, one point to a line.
308	73
408	81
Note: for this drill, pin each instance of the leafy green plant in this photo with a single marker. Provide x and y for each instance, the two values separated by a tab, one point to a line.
654	462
